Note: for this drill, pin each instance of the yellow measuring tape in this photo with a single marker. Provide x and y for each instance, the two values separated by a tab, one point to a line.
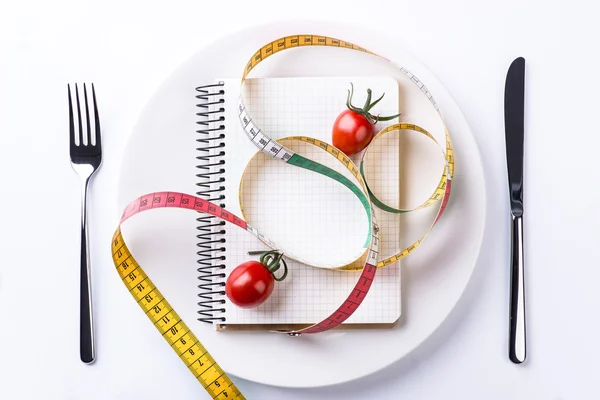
170	325
163	316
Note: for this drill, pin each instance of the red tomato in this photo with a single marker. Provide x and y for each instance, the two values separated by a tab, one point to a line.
354	129
352	132
249	284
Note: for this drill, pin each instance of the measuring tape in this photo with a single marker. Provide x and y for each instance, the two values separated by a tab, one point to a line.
163	316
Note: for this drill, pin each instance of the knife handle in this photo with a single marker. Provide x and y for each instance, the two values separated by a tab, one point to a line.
517	345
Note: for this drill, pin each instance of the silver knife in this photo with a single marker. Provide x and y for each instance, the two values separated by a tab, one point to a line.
514	116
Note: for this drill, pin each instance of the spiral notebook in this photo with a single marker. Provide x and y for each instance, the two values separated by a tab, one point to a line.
274	195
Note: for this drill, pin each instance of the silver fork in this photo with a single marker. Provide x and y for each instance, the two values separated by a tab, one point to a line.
86	157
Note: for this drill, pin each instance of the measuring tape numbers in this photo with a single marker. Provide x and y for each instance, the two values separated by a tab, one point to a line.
163	316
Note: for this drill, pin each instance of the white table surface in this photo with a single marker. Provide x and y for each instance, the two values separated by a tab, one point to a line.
128	49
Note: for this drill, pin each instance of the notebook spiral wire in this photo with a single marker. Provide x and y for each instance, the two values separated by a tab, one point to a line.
210	169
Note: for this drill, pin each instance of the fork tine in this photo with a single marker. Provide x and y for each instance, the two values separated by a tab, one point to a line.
88	132
71	123
79	117
96	118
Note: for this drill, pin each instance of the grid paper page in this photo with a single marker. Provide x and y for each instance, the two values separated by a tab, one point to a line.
308	213
329	223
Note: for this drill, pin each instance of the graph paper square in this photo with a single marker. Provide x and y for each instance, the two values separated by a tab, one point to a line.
313	215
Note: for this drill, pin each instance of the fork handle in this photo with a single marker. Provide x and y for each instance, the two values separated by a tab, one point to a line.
86	326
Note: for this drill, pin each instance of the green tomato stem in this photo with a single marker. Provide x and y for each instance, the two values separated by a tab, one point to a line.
349	99
373	104
272	260
368	101
365	111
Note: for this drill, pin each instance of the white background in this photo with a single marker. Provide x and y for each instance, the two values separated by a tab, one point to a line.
128	49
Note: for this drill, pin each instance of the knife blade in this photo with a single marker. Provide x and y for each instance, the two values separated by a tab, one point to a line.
514	125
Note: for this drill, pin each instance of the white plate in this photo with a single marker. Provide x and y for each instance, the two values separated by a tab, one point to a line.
160	156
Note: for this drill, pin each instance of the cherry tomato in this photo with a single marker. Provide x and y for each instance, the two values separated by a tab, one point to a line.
352	132
354	129
249	284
